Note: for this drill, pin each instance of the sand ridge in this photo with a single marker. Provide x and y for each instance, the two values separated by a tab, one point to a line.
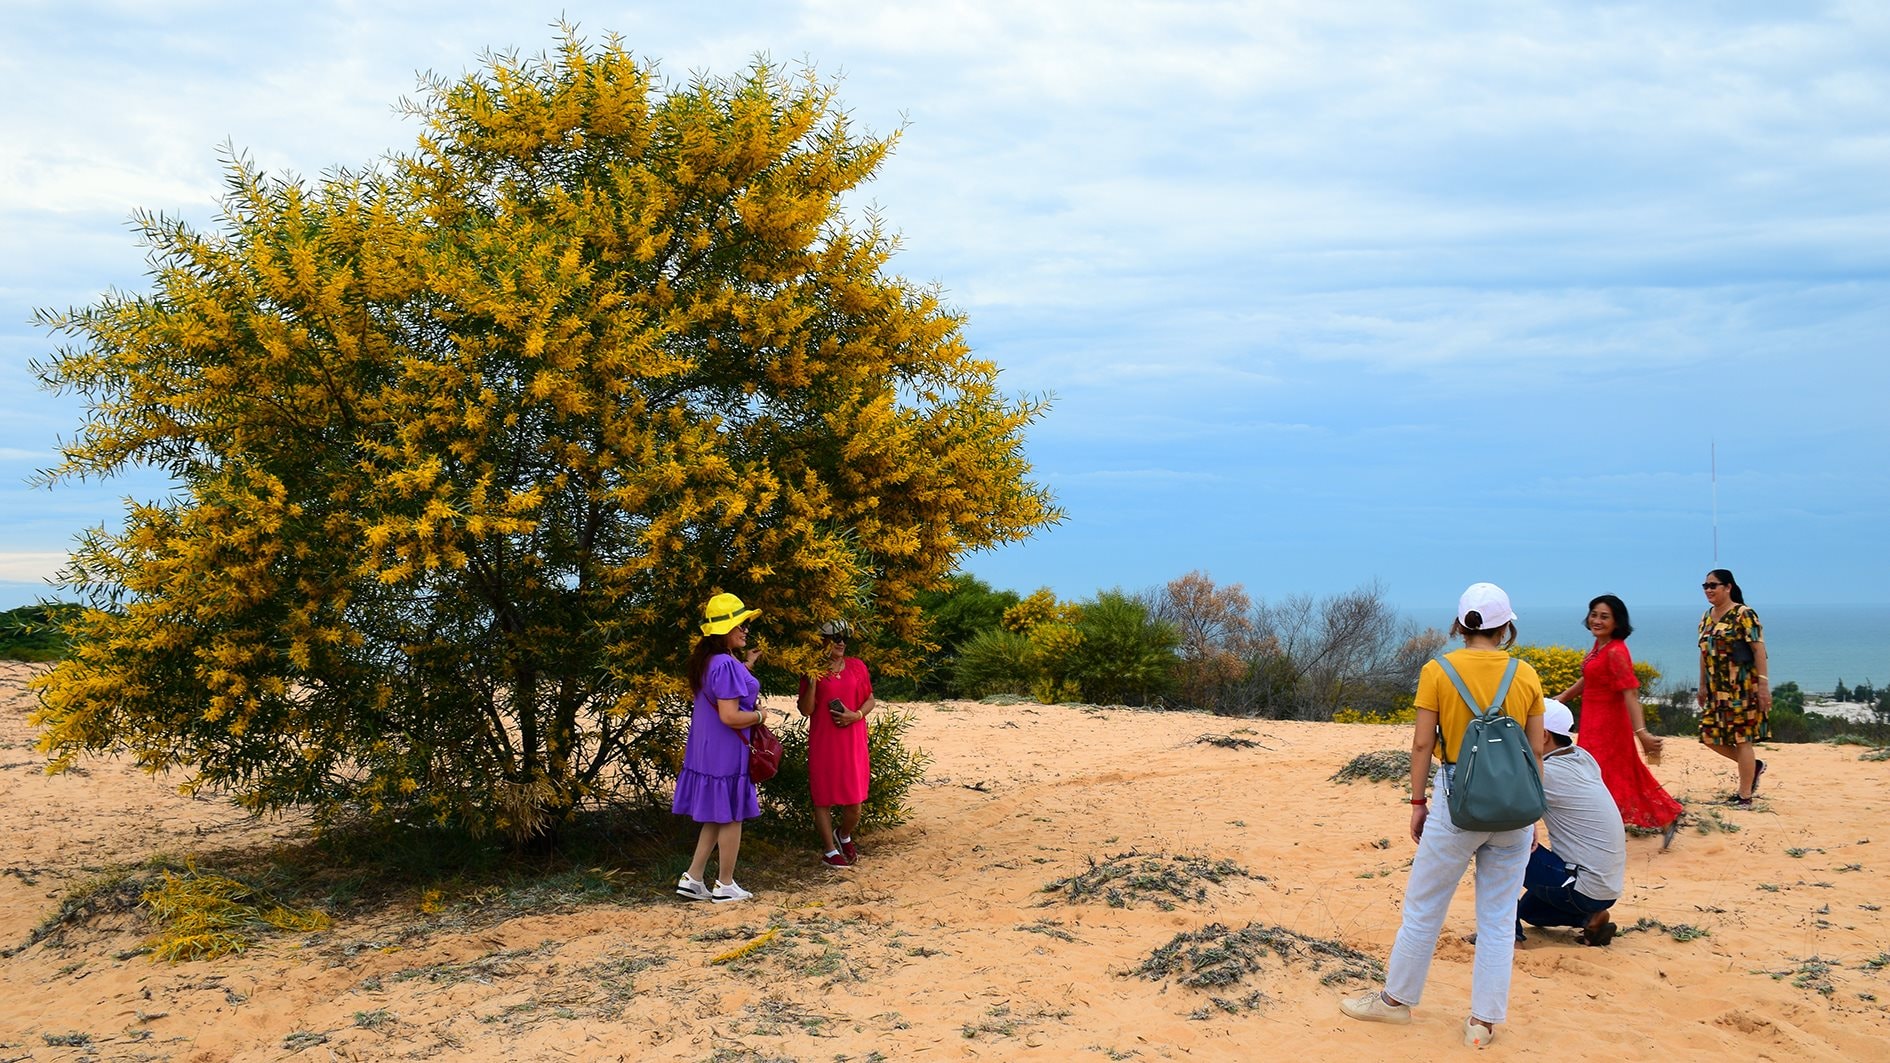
944	944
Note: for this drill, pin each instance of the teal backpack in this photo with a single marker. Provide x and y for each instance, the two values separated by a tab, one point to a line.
1496	784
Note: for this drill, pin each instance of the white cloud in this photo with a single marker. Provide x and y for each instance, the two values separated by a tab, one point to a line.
30	567
1291	228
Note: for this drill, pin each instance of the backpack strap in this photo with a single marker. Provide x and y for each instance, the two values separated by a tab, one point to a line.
1476	707
1463	691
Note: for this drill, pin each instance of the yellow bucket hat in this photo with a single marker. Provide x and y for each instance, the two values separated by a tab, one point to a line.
725	613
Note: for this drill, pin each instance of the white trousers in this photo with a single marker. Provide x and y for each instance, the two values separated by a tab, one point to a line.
1443	853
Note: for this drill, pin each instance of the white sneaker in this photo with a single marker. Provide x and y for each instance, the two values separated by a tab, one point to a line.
725	892
693	888
1477	1035
1371	1007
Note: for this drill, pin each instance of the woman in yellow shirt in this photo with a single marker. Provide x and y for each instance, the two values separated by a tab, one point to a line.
1487	625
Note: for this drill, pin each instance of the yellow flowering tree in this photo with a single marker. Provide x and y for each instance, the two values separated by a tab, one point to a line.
461	440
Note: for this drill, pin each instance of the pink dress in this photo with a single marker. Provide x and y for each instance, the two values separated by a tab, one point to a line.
1608	734
837	765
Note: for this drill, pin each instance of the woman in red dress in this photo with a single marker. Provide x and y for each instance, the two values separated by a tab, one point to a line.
837	765
1612	721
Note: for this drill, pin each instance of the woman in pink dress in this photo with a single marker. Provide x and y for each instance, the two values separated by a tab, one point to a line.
836	704
1612	722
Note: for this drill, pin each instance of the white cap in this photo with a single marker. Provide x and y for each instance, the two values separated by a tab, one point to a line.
1556	719
834	627
1491	605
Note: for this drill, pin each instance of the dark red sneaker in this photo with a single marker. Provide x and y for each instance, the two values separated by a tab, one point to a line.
850	851
836	860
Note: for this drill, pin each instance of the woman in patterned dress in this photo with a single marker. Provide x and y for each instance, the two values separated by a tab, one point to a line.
1735	696
1612	722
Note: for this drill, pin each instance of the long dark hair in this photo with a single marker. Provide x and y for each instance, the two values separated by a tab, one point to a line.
706	650
1724	575
1622	627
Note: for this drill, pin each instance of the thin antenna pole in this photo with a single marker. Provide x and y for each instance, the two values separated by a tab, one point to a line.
1713	465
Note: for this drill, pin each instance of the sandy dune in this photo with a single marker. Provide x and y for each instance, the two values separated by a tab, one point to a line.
943	943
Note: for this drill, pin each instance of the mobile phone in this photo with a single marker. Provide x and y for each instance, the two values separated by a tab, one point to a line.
838	708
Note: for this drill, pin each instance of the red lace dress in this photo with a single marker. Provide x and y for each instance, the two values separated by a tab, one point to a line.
1607	733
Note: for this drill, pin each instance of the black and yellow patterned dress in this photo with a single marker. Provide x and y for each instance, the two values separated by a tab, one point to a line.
1732	713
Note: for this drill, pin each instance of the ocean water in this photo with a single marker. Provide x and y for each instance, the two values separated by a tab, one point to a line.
1811	645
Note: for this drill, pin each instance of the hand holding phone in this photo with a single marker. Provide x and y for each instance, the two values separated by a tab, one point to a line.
839	710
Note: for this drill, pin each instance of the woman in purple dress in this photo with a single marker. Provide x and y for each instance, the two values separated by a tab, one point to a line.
713	788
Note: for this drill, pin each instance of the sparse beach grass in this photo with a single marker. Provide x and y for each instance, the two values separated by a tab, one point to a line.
1382	765
1215	957
1126	879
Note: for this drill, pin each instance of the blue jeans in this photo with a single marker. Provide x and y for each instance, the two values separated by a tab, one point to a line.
1443	853
1550	897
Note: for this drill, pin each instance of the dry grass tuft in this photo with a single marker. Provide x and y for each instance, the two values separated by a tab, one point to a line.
1126	878
1214	956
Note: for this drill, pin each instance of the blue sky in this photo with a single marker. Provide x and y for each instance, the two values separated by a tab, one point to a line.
1325	293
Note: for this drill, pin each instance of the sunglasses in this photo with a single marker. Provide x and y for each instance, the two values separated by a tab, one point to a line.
833	638
1710	586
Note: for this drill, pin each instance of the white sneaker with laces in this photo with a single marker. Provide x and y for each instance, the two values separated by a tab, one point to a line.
1371	1007
691	887
725	892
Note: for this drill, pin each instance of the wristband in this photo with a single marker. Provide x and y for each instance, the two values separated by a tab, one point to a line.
1641	731
1419	801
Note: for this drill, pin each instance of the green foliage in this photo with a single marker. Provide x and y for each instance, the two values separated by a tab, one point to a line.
461	441
898	768
36	632
995	661
955	613
1786	697
1125	656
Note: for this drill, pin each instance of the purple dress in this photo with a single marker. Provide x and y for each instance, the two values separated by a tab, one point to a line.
713	786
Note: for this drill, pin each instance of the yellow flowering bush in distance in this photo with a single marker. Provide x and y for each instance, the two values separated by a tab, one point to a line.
461	441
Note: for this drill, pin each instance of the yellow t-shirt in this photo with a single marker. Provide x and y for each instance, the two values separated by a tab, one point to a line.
1481	671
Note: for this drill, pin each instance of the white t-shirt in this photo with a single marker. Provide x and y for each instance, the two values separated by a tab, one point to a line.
1584	825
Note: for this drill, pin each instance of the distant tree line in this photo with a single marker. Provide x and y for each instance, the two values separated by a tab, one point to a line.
35	632
1189	644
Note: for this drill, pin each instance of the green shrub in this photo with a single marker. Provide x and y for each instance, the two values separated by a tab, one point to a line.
36	632
995	661
1126	656
787	807
954	614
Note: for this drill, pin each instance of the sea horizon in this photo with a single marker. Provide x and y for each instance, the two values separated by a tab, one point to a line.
1812	645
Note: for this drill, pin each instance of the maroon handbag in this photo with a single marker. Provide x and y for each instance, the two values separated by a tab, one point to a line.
764	753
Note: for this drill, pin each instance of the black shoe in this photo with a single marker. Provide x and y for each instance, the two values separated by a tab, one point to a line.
1599	936
1757	775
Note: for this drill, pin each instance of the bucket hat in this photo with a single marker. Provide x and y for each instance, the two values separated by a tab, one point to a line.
725	613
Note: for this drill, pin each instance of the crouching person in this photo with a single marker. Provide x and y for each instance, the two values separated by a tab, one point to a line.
1577	880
